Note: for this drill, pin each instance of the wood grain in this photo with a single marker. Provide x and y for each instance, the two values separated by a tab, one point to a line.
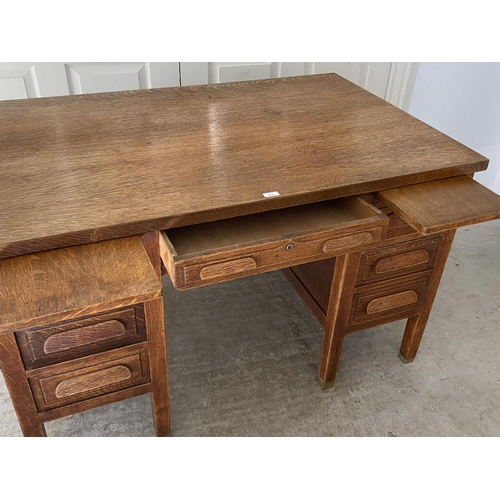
402	261
81	169
337	316
415	325
82	337
222	270
19	387
160	398
209	253
86	378
305	294
92	381
392	301
151	242
398	230
276	225
317	277
347	242
388	297
392	261
79	337
63	284
104	399
185	273
442	205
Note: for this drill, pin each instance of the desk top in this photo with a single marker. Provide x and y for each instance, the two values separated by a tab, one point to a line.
79	169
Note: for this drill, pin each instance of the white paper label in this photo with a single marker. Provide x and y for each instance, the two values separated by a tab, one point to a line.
270	194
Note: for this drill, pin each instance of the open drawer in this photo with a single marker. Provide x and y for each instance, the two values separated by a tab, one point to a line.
437	206
223	250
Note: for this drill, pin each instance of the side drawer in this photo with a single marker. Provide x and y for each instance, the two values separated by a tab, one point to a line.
401	259
437	206
75	381
212	252
74	339
391	300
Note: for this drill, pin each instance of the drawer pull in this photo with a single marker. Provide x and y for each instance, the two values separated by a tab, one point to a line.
391	301
229	267
78	337
92	381
402	261
347	241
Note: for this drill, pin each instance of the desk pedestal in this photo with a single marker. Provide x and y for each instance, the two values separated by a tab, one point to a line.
356	291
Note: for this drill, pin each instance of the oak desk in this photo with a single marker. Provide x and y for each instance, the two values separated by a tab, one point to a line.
312	175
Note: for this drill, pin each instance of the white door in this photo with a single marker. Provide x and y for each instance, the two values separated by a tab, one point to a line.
22	80
390	81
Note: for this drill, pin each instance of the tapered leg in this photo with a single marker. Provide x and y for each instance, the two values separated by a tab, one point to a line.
19	388
337	316
415	326
332	346
153	312
414	332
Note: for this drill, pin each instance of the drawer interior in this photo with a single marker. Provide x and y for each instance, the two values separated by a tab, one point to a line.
239	232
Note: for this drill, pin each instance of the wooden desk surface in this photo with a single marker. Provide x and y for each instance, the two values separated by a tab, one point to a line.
79	169
72	282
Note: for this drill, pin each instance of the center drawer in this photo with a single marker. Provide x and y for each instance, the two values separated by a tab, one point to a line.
223	250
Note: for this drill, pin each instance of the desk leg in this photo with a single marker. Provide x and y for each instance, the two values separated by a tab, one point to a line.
157	348
151	242
19	387
337	316
415	326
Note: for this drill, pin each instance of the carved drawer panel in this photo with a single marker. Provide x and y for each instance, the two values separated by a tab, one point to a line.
393	299
401	259
75	381
74	339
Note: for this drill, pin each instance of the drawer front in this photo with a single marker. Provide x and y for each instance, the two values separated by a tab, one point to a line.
269	257
402	259
74	339
392	299
80	380
227	249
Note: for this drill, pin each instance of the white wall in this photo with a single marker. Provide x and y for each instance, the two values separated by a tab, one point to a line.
463	101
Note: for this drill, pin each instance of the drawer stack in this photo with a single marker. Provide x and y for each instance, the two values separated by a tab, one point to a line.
392	281
75	361
82	327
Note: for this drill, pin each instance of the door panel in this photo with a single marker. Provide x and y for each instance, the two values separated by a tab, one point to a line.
199	73
352	71
220	72
24	80
85	78
374	77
